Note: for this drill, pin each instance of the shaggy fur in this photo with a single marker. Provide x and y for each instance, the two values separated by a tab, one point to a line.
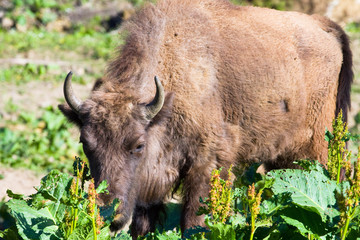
243	84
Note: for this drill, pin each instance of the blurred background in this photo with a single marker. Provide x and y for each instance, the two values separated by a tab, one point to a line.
41	40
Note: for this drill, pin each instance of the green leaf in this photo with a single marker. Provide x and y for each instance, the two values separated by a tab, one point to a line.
222	231
9	234
356	212
104	234
238	220
166	235
33	223
55	185
312	191
85	229
122	236
354	232
311	165
108	211
102	188
306	222
283	232
14	195
276	203
328	135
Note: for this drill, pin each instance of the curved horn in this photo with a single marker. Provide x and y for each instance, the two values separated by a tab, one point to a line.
157	103
70	97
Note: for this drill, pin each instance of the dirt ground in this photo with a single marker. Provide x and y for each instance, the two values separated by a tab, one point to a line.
19	181
33	95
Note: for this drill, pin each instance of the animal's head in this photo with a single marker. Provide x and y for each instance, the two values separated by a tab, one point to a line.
120	135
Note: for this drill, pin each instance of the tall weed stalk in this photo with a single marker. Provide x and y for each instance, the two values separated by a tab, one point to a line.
339	158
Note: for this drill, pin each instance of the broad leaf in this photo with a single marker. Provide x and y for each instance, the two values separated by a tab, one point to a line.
32	223
276	203
312	191
238	220
102	188
306	222
53	191
55	185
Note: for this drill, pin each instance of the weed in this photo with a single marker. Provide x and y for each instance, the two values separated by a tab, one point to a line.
339	156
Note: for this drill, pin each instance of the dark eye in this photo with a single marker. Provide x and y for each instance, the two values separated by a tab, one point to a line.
138	148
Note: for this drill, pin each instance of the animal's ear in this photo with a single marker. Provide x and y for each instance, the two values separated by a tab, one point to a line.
70	114
166	110
98	83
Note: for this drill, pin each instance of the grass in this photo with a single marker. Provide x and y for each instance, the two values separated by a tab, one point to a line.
85	49
90	44
20	74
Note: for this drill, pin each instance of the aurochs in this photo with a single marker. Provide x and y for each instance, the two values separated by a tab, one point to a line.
234	85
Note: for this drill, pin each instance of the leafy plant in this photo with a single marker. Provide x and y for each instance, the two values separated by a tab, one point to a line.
305	203
349	194
35	143
61	209
218	206
339	156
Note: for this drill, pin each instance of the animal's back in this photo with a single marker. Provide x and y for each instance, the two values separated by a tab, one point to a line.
265	79
270	75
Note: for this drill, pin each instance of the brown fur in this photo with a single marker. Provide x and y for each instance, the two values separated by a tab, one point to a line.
243	84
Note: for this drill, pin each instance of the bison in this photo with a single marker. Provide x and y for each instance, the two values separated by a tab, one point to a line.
234	85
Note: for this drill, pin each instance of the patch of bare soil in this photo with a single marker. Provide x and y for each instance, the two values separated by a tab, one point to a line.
20	181
34	95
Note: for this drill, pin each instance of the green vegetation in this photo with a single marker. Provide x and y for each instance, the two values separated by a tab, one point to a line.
87	43
92	50
353	27
40	14
20	74
61	209
41	141
307	203
38	143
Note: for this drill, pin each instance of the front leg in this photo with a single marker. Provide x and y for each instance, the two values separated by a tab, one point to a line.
145	219
196	185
